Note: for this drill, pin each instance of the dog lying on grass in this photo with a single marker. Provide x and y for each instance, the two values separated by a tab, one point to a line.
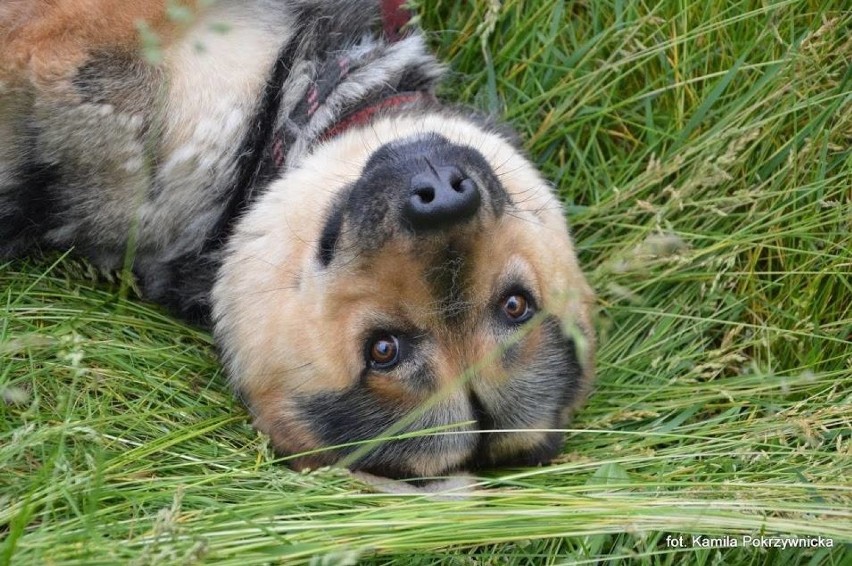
374	264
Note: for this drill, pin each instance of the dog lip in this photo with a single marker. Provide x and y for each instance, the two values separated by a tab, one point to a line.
484	422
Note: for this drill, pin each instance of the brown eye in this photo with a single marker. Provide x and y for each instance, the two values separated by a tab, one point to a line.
517	308
383	352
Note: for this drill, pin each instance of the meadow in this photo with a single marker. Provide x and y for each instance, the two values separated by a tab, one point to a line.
702	150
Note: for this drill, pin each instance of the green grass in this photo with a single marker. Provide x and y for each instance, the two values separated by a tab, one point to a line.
703	152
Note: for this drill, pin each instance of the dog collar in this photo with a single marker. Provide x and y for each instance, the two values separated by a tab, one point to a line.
264	150
394	16
365	114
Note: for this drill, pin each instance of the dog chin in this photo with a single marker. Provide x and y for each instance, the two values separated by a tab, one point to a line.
450	488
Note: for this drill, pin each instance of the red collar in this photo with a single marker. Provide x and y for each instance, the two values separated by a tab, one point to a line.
395	16
364	115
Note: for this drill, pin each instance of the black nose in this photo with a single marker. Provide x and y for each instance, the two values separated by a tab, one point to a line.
440	196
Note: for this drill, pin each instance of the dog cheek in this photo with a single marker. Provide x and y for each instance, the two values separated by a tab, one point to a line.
288	433
544	380
357	415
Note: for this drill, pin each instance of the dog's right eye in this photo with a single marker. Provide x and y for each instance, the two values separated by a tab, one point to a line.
383	352
517	307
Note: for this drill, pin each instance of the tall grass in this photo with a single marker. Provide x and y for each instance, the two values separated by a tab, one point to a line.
703	153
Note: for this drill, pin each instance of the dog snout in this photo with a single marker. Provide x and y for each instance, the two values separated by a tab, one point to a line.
440	196
425	187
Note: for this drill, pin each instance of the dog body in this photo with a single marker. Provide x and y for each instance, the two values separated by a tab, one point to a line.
374	263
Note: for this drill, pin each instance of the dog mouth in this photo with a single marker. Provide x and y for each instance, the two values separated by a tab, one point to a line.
471	450
460	433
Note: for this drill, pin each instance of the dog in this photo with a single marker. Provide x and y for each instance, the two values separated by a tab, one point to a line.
389	279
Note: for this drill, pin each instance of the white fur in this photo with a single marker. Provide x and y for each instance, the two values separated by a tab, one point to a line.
215	77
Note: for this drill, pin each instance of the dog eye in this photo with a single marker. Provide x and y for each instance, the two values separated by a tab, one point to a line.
383	352
517	307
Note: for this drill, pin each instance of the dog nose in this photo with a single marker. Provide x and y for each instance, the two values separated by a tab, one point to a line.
440	196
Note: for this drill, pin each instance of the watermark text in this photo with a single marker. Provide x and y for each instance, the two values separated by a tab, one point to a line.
726	541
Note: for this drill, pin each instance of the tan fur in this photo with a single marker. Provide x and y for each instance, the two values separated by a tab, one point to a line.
207	85
48	39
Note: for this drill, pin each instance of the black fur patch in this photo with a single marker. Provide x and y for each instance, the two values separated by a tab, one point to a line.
329	25
182	285
541	453
446	278
484	421
29	208
536	394
356	414
553	379
510	355
331	234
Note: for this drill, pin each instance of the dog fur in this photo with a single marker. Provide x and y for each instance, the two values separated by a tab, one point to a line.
300	264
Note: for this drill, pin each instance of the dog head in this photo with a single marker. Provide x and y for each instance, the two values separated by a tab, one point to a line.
407	301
